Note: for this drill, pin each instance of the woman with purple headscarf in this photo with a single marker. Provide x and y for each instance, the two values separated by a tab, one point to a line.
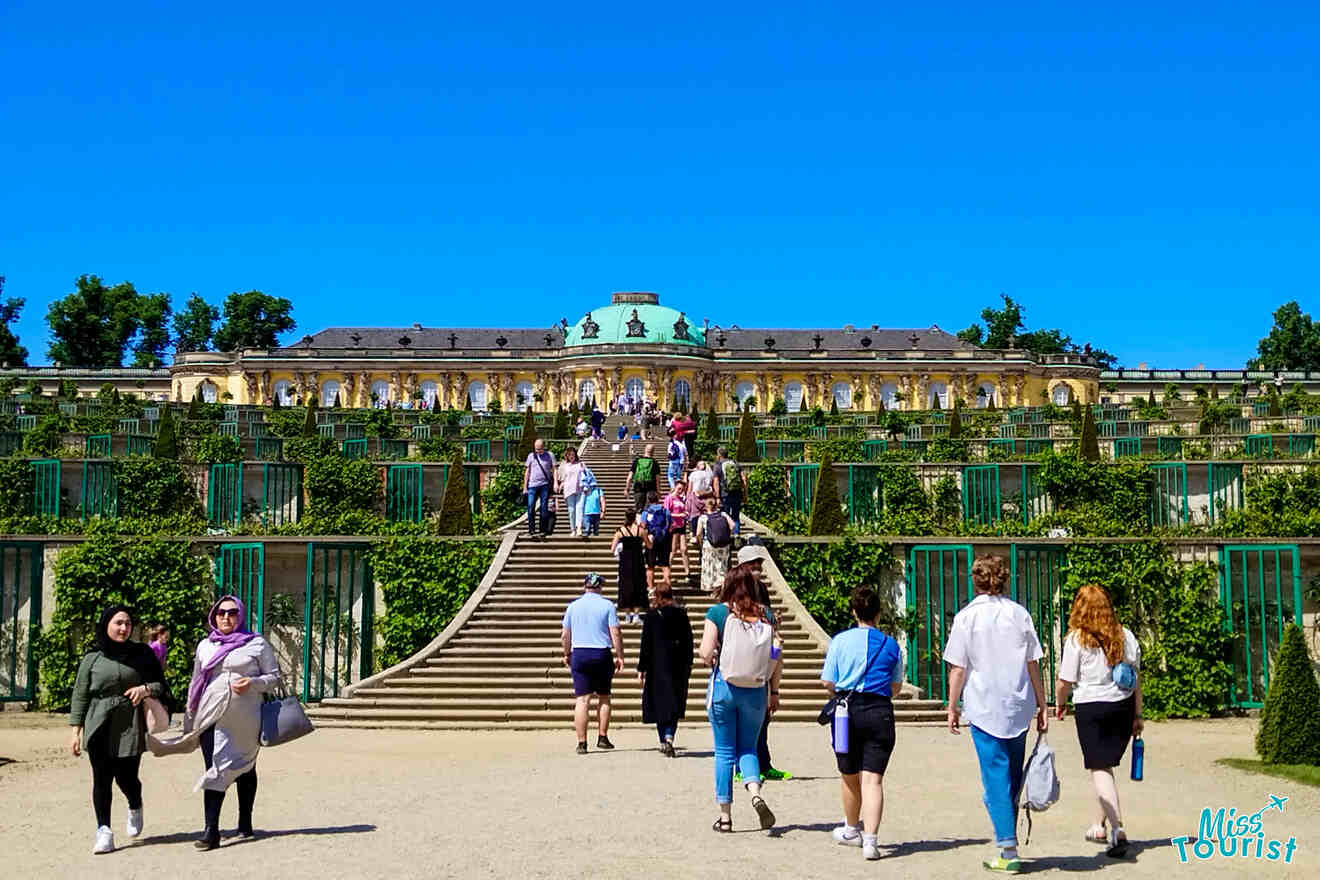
233	668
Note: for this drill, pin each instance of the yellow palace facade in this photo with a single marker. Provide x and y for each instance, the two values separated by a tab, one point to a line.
636	347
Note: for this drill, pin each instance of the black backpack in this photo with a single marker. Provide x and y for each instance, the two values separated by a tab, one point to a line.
718	531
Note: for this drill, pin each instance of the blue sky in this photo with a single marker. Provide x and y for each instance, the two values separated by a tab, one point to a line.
1145	178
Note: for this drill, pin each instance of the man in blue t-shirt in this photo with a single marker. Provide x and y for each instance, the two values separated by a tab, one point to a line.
868	665
591	628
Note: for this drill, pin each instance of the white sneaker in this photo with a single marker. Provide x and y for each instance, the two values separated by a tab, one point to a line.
105	840
843	838
134	826
871	851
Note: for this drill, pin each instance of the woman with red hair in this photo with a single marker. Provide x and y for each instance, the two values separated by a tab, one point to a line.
1099	669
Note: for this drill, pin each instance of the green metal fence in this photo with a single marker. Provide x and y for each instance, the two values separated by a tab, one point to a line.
10	442
138	444
403	493
917	446
339	610
421	432
1225	484
97	446
1035	446
258	429
227	429
327	431
1168	502
873	449
1035	500
281	492
981	500
865	494
802	485
355	448
1107	429
270	448
26	423
477	450
1003	445
1301	444
1036	581
1260	588
938	586
224	494
46	490
393	449
1239	425
240	570
20	619
1169	447
100	489
1260	408
1259	445
355	431
1007	432
1127	447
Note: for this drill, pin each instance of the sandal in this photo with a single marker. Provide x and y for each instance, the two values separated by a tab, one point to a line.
763	813
724	825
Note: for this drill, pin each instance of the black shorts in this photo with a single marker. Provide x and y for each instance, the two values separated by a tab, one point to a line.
592	669
870	734
1103	730
658	555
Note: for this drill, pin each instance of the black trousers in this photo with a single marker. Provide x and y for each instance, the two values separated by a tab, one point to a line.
246	784
107	769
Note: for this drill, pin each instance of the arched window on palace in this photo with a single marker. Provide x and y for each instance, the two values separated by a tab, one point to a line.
793	396
1062	395
985	394
941	391
682	395
634	388
586	391
522	395
329	391
210	393
842	392
889	394
281	391
380	393
477	394
429	392
744	390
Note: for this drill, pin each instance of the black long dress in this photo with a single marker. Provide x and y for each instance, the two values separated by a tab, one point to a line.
666	658
632	570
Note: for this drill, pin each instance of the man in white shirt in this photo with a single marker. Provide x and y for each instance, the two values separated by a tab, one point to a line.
993	654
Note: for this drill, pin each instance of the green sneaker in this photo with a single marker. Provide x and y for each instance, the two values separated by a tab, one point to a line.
772	773
1003	866
737	776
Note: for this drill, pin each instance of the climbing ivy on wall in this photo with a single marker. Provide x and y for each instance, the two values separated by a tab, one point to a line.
823	576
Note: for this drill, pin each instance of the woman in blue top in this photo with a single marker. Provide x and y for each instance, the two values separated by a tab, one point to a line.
867	665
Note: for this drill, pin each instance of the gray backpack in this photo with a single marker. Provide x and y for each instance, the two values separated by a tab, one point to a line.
1040	784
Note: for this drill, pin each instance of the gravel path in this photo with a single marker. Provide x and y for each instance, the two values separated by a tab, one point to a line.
400	804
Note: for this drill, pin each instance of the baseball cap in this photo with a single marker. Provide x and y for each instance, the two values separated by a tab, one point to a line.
751	552
593	580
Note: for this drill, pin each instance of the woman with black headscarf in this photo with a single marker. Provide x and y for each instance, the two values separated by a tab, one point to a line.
106	713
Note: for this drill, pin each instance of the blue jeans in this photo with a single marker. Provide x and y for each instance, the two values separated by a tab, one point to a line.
574	504
735	717
541	492
674	472
666	731
1002	763
731	502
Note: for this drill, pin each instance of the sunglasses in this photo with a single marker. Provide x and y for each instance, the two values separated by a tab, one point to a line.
227	612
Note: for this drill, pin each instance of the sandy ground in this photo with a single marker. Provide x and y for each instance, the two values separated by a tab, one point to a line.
404	804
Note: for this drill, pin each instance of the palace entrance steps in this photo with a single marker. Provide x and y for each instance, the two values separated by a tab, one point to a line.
499	663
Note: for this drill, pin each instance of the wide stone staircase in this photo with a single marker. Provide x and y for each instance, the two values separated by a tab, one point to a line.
502	666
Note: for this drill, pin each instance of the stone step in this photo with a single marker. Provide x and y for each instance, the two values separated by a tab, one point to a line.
615	724
516	667
481	684
556	716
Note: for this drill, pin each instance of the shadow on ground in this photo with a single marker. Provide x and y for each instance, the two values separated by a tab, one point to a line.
228	840
1095	862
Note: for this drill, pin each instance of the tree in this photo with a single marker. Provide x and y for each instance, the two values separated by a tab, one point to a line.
167	444
1150	399
834	406
827	516
1089	448
746	451
309	420
455	509
1077	412
955	423
194	326
68	389
1289	730
468	405
194	405
253	320
779	407
528	436
153	335
1293	343
93	325
1007	325
560	428
11	353
712	426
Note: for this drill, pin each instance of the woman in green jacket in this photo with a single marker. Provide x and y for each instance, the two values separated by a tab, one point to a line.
107	717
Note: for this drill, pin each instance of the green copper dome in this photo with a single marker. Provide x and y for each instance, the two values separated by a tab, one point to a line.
634	318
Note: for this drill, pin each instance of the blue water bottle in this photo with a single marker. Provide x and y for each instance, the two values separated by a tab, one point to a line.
841	728
1138	758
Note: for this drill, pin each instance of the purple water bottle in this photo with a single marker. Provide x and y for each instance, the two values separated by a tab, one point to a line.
1138	758
841	728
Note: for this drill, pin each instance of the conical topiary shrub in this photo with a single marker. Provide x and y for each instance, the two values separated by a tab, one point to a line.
1150	399
746	451
309	420
195	406
955	423
167	442
559	430
834	407
455	510
827	517
1077	411
1089	448
1290	720
528	436
712	426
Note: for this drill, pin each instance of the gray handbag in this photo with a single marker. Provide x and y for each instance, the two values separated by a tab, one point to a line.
282	718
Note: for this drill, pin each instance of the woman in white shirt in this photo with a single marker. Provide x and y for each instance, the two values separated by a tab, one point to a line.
570	481
1108	714
993	655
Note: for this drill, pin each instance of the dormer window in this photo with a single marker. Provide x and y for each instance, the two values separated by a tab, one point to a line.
636	329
